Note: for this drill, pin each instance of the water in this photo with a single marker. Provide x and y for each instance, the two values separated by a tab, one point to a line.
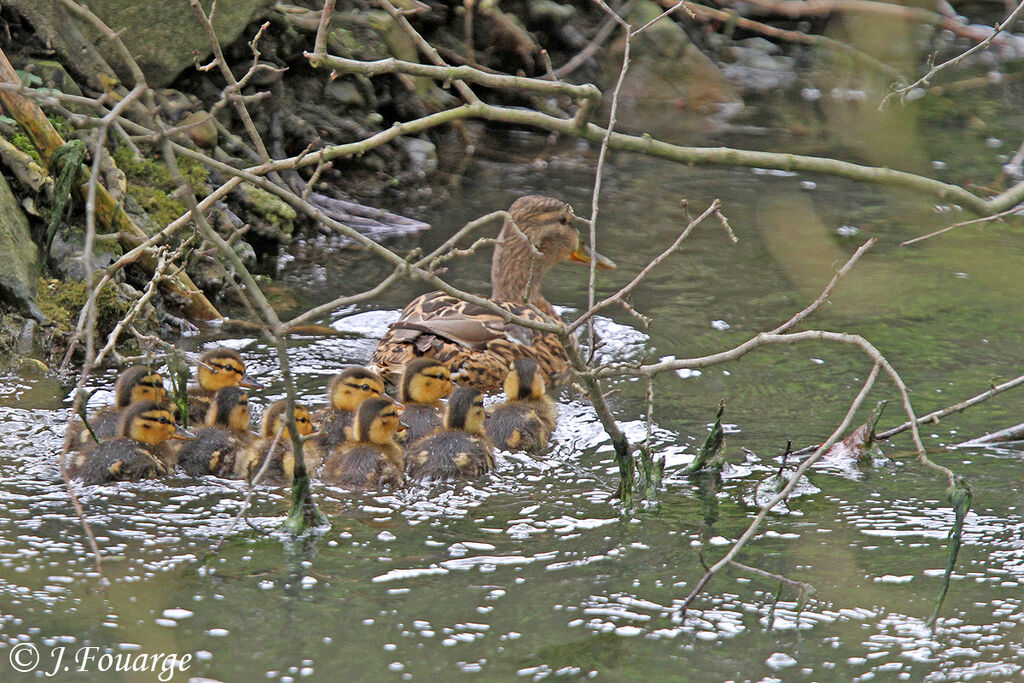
534	572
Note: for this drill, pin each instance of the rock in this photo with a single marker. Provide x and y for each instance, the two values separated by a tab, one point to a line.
54	75
202	129
667	75
345	92
548	11
162	36
19	266
422	154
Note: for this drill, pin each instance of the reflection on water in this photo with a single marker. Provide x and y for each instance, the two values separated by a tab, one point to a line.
533	572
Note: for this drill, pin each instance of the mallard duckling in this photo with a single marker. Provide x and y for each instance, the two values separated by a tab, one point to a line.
371	458
137	383
425	381
216	369
461	450
345	393
274	432
217	445
140	450
475	344
525	420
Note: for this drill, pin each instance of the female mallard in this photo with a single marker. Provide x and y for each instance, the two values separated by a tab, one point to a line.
425	381
475	344
216	369
461	450
527	417
217	445
345	393
137	383
275	443
372	458
140	450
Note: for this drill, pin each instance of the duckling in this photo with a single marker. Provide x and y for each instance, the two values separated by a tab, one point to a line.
273	429
461	450
140	450
475	344
525	420
217	445
345	393
372	458
425	382
216	369
137	383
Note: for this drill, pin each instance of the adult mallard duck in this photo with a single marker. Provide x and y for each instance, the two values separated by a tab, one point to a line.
345	393
475	344
459	451
525	420
216	369
226	434
372	458
425	381
275	443
140	450
137	383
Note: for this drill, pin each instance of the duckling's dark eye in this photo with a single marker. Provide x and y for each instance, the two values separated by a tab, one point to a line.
365	387
564	220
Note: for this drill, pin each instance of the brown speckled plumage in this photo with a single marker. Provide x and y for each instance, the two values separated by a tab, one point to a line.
475	344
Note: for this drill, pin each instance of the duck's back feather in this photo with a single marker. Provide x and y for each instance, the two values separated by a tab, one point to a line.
475	344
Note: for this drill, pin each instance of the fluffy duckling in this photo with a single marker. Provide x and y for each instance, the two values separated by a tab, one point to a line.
216	369
461	450
525	420
137	383
273	429
217	445
372	458
140	450
345	393
425	381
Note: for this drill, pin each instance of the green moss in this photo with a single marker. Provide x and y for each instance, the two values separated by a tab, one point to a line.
273	209
160	206
62	302
151	185
21	141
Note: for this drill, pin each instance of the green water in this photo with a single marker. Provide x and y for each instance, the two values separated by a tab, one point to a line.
534	571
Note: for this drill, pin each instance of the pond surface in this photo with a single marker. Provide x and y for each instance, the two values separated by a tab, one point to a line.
534	571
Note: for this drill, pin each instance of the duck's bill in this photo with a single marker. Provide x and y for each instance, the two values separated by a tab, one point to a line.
182	433
248	382
582	255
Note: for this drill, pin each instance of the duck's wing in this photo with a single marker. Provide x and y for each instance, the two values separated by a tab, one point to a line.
470	339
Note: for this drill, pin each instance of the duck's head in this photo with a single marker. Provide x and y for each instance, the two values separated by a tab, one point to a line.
139	383
229	409
348	389
376	421
150	423
524	380
425	380
275	420
221	368
465	411
550	226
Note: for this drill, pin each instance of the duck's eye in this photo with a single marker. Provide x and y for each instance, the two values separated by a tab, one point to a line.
564	220
365	387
